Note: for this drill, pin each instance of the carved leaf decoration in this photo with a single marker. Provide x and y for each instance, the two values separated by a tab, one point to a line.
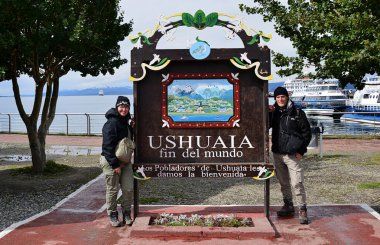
187	19
211	19
134	40
199	40
200	19
238	61
146	40
161	62
266	39
255	39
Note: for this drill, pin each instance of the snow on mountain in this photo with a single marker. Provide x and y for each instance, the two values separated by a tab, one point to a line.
211	91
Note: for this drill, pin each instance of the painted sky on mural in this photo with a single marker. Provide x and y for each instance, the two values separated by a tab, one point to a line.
145	14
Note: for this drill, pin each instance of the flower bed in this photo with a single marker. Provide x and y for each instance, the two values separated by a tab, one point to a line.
219	220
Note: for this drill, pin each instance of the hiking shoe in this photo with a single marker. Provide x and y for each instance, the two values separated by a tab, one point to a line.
303	216
127	218
286	210
114	219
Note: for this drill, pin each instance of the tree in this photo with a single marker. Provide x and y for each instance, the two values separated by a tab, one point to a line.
45	39
341	38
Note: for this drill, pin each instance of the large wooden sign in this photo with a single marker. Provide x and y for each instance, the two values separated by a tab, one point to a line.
201	112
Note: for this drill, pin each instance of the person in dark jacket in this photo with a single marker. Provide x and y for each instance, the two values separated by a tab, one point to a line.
291	134
118	175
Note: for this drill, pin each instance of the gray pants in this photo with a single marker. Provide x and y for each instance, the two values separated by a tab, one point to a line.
114	182
290	175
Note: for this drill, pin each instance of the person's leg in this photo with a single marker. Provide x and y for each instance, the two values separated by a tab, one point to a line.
282	175
297	180
112	189
126	183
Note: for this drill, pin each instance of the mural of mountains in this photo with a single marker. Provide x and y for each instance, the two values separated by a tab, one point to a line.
95	91
203	93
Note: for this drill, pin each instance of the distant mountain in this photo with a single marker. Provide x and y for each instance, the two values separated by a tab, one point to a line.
273	86
95	91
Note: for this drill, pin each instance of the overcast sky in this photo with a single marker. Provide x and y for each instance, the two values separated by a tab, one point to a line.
145	15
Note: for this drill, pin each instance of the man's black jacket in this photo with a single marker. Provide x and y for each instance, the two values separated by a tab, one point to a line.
291	131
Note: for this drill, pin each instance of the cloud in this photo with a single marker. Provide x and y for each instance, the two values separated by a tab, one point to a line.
145	18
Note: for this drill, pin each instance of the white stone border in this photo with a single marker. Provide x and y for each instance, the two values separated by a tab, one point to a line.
370	210
15	225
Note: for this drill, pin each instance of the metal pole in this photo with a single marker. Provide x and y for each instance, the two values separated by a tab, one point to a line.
136	208
320	146
89	124
67	124
266	197
9	123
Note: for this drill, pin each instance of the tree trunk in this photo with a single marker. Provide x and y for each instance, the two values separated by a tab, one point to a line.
37	149
37	138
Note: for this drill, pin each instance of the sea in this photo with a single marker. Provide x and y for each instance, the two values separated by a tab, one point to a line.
85	115
74	114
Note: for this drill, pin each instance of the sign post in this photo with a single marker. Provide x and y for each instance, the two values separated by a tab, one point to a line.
201	112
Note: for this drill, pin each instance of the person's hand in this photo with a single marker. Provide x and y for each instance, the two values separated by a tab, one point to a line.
117	170
271	108
132	123
298	156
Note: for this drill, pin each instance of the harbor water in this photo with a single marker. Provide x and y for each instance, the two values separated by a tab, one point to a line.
85	115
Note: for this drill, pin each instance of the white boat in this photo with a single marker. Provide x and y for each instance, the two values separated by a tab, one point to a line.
317	96
101	92
366	101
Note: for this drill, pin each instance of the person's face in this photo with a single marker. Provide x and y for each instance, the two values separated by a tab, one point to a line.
282	100
123	110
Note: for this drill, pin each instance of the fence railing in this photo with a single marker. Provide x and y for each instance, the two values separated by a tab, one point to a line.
64	123
351	123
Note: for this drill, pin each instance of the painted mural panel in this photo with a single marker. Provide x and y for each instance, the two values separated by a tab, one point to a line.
208	100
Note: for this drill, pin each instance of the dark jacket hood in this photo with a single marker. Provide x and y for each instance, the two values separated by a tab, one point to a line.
112	113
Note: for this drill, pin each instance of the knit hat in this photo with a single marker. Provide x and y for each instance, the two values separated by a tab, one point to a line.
122	100
281	91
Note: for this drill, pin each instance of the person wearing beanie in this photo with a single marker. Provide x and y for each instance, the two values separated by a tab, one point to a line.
281	91
118	175
122	100
291	134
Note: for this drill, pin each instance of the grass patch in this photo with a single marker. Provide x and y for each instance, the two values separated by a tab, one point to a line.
8	167
334	156
369	185
52	168
375	160
149	200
